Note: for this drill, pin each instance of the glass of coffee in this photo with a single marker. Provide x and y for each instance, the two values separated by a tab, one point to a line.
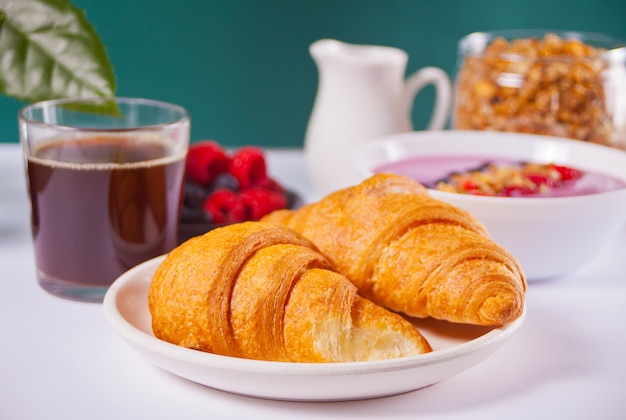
105	179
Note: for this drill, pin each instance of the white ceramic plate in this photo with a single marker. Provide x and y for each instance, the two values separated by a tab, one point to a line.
456	349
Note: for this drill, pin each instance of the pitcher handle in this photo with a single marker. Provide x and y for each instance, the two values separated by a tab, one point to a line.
443	94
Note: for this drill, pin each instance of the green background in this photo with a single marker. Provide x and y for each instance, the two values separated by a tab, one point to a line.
243	69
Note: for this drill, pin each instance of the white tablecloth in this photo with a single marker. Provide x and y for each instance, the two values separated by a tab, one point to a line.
60	359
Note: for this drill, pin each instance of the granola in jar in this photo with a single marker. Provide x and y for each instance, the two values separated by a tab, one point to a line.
550	85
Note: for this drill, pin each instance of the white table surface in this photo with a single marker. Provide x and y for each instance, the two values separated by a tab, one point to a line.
60	359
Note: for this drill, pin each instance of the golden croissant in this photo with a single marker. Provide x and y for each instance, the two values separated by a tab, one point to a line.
411	253
259	291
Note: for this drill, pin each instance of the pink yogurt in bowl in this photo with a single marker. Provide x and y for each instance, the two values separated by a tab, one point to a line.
437	169
552	234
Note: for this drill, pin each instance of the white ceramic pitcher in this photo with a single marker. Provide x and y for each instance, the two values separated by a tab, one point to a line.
362	94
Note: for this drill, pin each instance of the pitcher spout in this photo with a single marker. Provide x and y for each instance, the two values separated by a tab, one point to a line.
360	54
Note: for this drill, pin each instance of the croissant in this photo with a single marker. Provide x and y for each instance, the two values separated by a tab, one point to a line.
259	291
411	253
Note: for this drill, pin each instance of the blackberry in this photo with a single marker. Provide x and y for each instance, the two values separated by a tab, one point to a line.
194	215
224	181
194	194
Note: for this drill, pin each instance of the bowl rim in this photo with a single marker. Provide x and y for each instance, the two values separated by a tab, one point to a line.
487	135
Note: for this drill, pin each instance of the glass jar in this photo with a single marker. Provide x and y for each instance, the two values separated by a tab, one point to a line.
565	84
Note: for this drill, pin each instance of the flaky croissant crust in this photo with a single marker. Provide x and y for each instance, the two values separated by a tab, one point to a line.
411	253
260	291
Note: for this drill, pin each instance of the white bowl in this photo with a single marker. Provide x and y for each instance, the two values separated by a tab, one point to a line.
550	236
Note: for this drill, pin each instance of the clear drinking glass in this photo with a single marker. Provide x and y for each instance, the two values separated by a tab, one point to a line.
105	179
566	84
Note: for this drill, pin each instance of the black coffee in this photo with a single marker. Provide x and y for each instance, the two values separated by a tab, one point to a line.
101	205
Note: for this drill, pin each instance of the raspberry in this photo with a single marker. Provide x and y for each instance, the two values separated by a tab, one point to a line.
567	173
541	179
222	188
205	161
225	206
469	185
248	166
517	191
260	201
270	184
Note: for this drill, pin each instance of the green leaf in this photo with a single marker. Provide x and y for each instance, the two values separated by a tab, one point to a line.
49	50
